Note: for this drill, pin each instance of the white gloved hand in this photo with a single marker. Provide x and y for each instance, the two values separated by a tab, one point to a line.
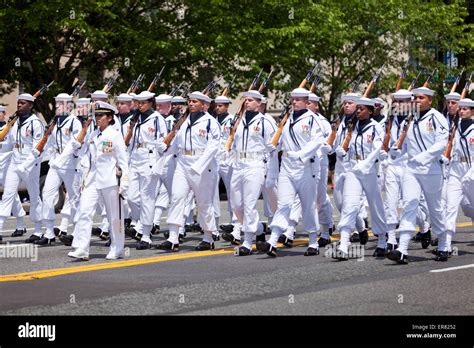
383	155
52	163
326	149
444	160
75	144
421	159
394	152
161	146
35	153
340	152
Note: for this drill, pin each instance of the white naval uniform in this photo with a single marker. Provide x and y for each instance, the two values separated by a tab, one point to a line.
299	173
323	202
362	155
270	188
251	147
340	168
426	140
144	155
461	162
6	153
196	147
65	131
394	169
106	151
23	137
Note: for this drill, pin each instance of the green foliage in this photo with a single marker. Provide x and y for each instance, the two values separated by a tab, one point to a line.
67	40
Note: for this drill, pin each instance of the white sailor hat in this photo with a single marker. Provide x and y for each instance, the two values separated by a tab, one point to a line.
253	94
163	98
264	100
222	99
402	94
99	94
452	96
466	102
101	106
132	94
178	100
83	101
314	98
365	101
423	90
63	97
145	95
124	97
379	101
351	97
2	108
300	92
26	96
199	96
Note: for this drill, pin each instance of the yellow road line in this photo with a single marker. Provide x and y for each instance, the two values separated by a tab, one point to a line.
46	273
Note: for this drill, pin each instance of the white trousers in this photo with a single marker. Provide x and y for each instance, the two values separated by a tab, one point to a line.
339	178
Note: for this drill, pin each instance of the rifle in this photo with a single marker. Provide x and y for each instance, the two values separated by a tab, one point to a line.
429	78
227	88
49	129
155	80
176	89
78	89
133	87
264	83
403	75
110	83
452	134
170	136
351	124
414	81
279	130
82	134
315	82
12	119
240	113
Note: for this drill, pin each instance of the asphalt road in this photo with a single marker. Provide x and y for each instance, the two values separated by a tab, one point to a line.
154	282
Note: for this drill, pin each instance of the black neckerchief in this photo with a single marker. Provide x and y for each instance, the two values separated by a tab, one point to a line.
361	125
222	117
465	124
249	115
422	114
22	118
347	119
61	118
298	114
144	116
124	116
194	116
378	118
401	118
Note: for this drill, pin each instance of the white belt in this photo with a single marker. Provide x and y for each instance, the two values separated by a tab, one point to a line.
149	146
192	152
251	155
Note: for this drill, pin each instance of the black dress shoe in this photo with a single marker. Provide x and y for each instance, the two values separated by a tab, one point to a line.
155	229
227	228
181	238
379	252
354	237
127	222
340	255
260	237
196	227
426	239
322	242
436	252
442	256
267	248
19	232
229	237
242	251
332	229
204	246
56	231
104	235
398	257
266	229
66	239
434	242
311	252
166	234
285	241
108	243
366	223
132	233
391	247
142	245
1	238
216	237
43	241
417	237
32	238
363	237
96	231
167	245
